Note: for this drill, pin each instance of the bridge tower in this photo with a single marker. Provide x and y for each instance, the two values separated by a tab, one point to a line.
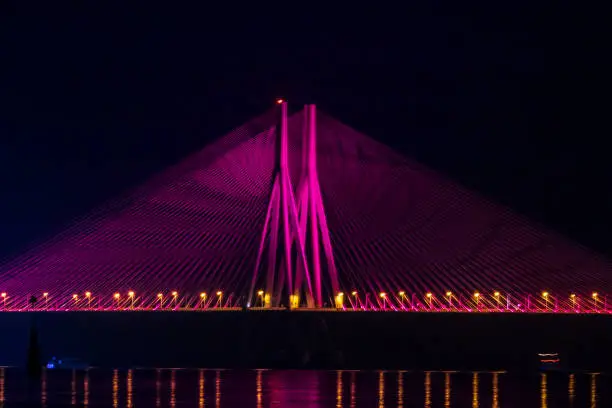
295	232
313	221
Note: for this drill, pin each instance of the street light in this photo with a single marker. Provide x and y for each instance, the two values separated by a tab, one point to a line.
383	296
220	295
449	296
117	297
203	298
131	296
429	295
477	297
88	296
175	298
496	295
573	298
402	295
3	295
260	294
46	296
354	303
294	301
595	296
340	300
267	300
545	296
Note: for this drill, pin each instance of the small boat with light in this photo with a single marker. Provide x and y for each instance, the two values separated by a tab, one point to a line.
549	361
66	364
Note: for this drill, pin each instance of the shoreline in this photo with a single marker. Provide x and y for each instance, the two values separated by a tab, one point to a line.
313	339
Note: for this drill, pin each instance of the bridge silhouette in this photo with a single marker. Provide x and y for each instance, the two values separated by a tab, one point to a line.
301	211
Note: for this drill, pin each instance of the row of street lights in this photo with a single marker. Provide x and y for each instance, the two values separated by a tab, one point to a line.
478	298
131	295
265	301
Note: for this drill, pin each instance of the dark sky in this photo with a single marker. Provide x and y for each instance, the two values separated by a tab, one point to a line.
506	99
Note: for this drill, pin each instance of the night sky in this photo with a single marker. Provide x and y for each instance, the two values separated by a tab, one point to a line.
507	100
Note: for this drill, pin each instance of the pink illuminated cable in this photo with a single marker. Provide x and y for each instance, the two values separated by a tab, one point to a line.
189	229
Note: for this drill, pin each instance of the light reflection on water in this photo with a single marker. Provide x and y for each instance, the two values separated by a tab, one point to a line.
544	390
400	389
302	389
495	403
158	388
427	389
381	389
86	389
172	388
115	388
353	390
339	403
201	389
475	390
43	390
594	395
1	385
129	397
571	388
447	390
73	392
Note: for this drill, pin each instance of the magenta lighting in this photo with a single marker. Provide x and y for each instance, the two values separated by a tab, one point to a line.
301	211
295	221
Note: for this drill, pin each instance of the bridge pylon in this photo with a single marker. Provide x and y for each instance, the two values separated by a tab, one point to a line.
295	232
313	221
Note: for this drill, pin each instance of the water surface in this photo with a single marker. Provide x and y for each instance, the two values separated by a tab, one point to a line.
302	389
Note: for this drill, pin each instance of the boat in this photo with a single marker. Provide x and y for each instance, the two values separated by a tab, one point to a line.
549	361
66	364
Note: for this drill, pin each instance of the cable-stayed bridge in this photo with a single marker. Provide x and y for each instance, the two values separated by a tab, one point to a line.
302	211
